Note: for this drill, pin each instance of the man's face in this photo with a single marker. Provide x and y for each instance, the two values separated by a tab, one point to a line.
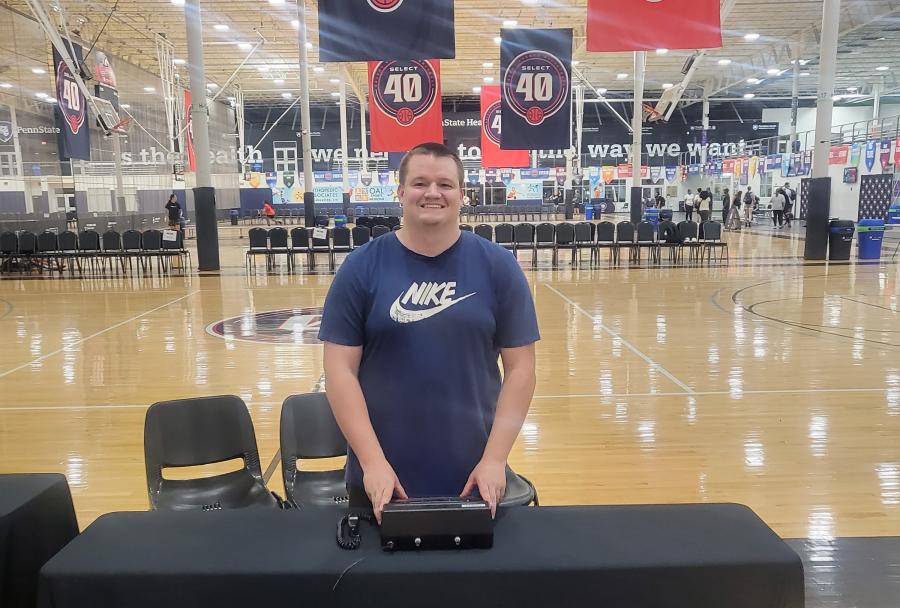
431	195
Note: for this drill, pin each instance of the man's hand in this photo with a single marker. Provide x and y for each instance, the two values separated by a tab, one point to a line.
490	478
381	484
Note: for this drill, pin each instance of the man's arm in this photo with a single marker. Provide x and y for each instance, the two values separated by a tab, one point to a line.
349	406
512	407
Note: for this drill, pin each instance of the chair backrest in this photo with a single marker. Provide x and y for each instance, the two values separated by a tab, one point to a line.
151	240
177	244
364	221
485	231
361	235
340	237
308	430
393	221
625	232
191	432
584	232
131	240
259	238
565	233
27	242
278	238
112	241
524	234
379	230
9	242
321	220
300	238
504	233
89	240
712	231
606	232
48	241
68	241
545	233
465	227
687	230
646	232
668	232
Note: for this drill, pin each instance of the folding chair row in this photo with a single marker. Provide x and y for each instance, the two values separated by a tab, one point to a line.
274	242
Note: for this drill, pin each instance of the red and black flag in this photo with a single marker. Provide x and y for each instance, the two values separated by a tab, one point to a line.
404	104
613	25
376	30
492	156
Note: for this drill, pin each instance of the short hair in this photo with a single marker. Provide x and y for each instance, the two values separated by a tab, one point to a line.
431	149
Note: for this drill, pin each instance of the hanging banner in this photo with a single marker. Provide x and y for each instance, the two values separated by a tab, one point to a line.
624	170
839	155
596	185
490	176
728	166
608	174
535	173
656	174
885	154
855	154
807	162
189	132
71	110
536	81
472	177
352	179
404	104
693	170
754	163
378	30
491	134
613	25
671	174
645	171
871	150
506	177
773	162
738	166
384	177
897	154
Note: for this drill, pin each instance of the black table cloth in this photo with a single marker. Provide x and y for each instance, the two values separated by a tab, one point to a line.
37	519
696	556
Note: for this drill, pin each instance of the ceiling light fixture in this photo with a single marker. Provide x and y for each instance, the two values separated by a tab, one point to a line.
662	51
753	81
602	91
668	85
773	71
749	95
724	61
38	71
221	27
487	64
278	81
286	95
245	46
295	23
149	90
489	79
125	105
882	68
497	39
318	69
751	37
5	85
178	2
334	80
622	76
510	23
476	89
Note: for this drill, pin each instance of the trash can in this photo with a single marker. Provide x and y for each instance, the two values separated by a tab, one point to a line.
651	216
234	217
871	233
588	212
665	214
840	239
340	221
894	214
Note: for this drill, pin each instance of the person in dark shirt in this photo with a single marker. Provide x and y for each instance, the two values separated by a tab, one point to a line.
173	209
413	326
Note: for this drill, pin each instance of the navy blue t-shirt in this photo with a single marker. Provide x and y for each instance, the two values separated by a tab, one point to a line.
431	331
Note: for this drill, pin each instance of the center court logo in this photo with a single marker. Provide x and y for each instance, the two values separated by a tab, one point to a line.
385	6
428	299
293	326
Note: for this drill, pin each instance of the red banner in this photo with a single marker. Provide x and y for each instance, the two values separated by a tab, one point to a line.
609	174
613	25
624	170
405	104
645	171
839	155
491	135
189	132
728	166
897	153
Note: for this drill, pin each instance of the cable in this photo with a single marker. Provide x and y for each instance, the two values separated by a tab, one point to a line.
102	29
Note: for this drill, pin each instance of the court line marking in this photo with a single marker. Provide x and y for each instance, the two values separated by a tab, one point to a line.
653	364
786	391
94	335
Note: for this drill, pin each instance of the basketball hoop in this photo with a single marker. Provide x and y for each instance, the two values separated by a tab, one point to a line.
120	127
651	114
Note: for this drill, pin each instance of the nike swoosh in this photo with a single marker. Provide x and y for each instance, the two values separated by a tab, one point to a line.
401	315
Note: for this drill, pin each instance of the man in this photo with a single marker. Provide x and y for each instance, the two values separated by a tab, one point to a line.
790	200
689	205
749	203
173	210
413	325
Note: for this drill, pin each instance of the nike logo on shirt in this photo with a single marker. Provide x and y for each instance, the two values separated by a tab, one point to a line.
437	296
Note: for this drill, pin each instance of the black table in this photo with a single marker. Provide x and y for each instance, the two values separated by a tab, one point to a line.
37	519
696	556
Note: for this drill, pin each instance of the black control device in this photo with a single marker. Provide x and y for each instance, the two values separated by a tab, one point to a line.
437	523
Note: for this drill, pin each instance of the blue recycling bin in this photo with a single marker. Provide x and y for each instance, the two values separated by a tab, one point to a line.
340	221
894	214
588	212
871	234
234	217
652	216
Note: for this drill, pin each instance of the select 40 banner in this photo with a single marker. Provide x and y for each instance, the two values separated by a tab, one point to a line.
492	156
404	104
536	88
71	110
375	30
636	25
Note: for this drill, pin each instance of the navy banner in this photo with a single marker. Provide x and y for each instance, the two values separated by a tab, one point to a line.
536	88
71	111
380	30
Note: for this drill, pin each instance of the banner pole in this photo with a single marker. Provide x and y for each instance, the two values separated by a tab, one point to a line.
309	204
637	122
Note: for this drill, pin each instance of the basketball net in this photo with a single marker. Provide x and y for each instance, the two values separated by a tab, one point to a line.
651	115
120	127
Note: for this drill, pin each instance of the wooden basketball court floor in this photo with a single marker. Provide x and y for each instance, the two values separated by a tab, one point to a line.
770	382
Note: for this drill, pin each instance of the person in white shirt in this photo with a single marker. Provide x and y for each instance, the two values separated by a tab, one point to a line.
778	202
689	205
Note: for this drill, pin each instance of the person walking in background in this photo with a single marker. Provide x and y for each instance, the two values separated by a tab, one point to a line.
726	205
173	210
748	207
268	212
704	207
778	208
734	216
790	199
689	205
